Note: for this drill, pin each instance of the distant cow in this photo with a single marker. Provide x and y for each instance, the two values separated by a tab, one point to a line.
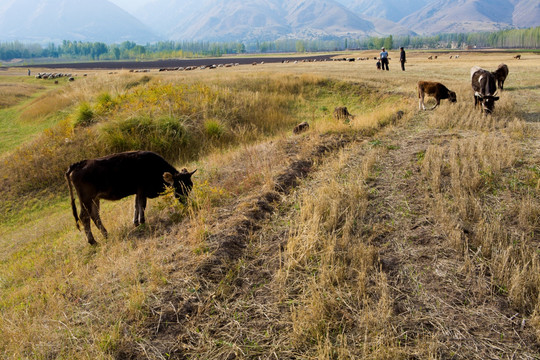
435	89
500	75
484	87
303	126
517	57
141	173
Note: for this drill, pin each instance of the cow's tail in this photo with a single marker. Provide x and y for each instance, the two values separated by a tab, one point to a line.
73	206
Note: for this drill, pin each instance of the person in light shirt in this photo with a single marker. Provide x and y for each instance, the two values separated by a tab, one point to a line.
384	58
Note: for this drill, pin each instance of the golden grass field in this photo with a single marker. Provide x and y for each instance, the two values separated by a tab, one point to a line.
375	237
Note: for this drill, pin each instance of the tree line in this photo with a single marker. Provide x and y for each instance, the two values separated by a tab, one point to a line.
78	50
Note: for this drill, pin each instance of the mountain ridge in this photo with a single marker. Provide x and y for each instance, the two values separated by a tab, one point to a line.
46	21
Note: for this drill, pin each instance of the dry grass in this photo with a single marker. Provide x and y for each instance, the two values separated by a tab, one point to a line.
12	93
417	240
330	272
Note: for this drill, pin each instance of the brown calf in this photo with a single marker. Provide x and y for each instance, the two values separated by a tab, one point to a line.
435	89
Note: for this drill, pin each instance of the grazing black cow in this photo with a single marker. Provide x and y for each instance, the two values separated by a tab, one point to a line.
500	75
484	87
141	173
435	89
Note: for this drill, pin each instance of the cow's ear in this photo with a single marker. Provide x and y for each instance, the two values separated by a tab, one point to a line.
168	177
193	172
495	98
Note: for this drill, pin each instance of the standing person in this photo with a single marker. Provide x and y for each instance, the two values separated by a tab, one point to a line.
384	58
28	72
402	58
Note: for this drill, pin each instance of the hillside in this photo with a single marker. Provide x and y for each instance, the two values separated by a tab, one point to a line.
393	10
471	16
394	233
262	20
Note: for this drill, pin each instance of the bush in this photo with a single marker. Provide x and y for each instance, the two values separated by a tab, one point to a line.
213	129
84	115
166	135
105	102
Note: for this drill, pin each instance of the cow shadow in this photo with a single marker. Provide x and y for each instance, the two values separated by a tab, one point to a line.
531	116
516	88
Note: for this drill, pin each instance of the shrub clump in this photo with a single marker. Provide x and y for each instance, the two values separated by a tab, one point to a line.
105	103
166	135
213	129
84	115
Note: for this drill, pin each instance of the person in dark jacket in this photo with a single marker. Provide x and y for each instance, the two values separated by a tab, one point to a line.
402	58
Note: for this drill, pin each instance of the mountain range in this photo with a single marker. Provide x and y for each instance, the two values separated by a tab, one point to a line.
45	21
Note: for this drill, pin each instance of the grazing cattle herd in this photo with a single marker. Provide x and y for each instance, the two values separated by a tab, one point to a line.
146	174
484	84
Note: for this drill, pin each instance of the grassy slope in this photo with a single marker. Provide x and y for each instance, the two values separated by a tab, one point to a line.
378	253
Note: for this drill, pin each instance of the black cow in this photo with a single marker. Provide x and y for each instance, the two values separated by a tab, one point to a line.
500	75
141	173
484	87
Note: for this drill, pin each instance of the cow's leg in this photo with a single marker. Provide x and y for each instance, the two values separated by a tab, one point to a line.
96	218
85	219
140	206
437	104
136	211
421	105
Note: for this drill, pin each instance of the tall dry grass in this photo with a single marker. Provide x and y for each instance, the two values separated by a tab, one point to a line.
341	302
475	199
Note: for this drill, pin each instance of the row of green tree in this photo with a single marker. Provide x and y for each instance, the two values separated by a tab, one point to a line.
128	50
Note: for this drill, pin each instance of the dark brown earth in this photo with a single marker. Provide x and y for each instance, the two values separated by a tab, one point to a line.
174	63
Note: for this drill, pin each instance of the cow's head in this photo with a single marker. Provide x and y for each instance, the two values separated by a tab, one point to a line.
180	182
452	97
488	102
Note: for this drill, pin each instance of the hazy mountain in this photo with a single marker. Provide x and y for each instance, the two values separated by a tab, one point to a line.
444	16
247	20
164	15
254	19
57	20
393	10
526	13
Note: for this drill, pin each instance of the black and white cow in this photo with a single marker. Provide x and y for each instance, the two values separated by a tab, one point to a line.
484	86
